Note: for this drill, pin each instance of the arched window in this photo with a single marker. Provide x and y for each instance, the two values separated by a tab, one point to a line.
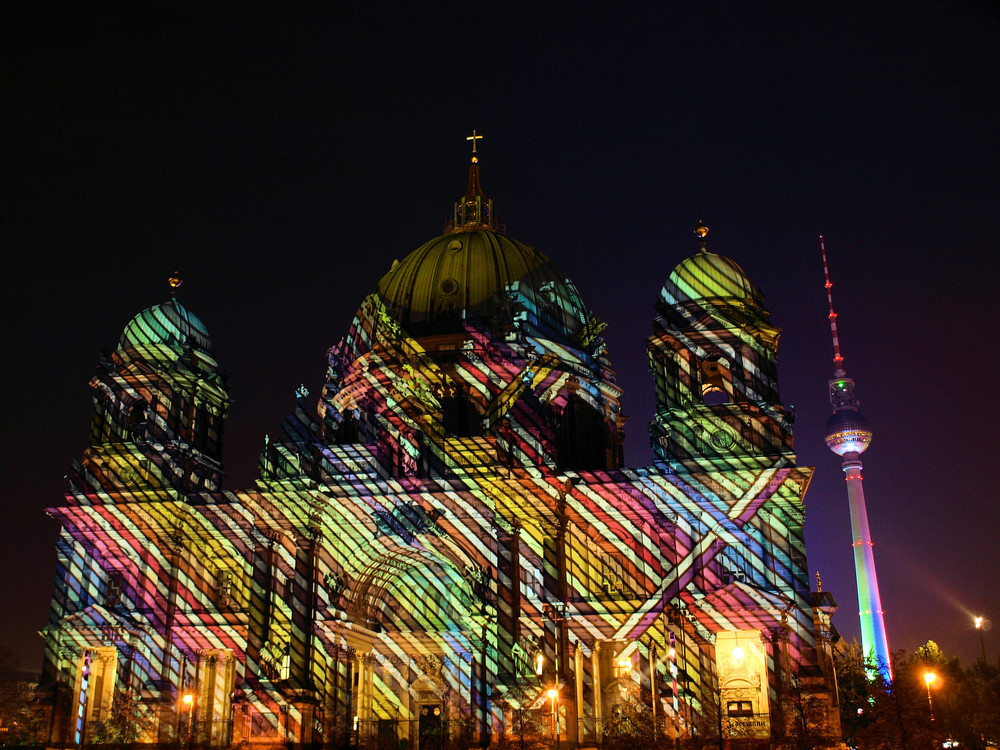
716	382
582	437
712	395
347	430
460	417
136	417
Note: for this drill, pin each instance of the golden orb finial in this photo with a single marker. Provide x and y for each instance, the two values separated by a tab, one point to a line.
702	231
175	281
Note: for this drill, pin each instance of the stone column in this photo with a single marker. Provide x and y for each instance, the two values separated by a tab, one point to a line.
576	732
595	665
172	553
301	646
260	556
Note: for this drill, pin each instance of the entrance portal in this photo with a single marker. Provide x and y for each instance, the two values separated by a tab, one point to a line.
431	736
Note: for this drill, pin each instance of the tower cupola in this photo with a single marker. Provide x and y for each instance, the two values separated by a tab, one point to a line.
160	402
713	357
473	210
708	276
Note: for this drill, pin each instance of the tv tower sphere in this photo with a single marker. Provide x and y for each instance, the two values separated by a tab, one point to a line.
847	432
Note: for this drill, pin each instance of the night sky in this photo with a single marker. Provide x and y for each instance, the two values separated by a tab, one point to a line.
281	162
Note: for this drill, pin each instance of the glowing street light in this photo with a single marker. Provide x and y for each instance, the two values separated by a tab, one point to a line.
982	624
929	677
553	694
188	700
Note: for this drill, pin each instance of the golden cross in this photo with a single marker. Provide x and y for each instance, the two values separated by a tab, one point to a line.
473	138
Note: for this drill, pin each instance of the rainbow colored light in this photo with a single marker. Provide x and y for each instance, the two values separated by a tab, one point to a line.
447	529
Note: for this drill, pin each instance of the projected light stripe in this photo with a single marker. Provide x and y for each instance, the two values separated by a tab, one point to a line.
456	504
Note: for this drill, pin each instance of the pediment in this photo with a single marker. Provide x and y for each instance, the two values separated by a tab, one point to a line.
740	606
96	626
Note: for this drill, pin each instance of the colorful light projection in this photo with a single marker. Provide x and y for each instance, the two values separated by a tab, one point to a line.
713	358
450	534
81	701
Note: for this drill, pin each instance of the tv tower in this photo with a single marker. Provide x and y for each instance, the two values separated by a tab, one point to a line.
848	435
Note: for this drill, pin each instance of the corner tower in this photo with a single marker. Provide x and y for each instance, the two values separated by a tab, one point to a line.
160	403
848	435
712	354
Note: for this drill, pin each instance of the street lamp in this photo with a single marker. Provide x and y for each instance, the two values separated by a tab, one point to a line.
553	694
189	702
980	627
929	677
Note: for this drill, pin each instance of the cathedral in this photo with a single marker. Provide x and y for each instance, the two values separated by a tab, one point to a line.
444	547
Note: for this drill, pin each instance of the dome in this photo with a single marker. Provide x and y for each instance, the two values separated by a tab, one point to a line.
708	276
848	432
480	274
169	324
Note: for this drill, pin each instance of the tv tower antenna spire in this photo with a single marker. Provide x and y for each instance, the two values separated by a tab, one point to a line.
838	360
848	435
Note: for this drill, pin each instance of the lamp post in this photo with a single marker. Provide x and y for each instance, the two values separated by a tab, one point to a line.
484	731
553	694
929	677
189	702
982	641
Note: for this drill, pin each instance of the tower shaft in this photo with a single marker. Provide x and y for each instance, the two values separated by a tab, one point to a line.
873	636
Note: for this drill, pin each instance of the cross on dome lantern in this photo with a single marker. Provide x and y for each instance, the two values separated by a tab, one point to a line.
474	137
474	209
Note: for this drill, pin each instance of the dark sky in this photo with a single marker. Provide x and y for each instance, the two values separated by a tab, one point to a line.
282	162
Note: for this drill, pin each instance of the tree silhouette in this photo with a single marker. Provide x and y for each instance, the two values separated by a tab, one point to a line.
128	721
876	715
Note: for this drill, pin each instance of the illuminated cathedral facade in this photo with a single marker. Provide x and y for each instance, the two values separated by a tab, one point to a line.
444	547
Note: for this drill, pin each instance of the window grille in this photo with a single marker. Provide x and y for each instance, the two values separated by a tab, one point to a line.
114	589
224	588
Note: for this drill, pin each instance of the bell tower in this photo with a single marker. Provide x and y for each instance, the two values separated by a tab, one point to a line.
160	403
712	354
